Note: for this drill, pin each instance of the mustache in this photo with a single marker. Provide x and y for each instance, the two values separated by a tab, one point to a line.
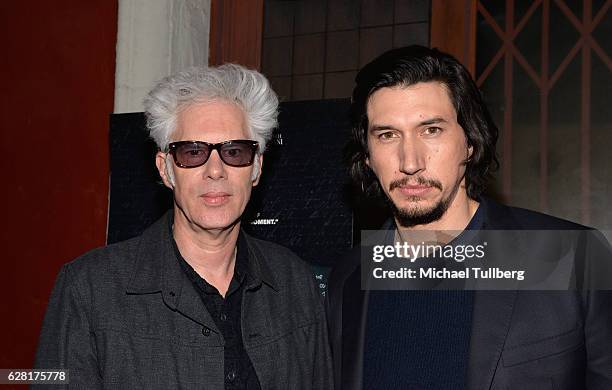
419	181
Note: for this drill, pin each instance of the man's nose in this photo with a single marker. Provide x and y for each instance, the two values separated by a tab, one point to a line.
215	167
412	156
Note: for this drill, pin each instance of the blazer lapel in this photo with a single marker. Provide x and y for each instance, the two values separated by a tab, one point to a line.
490	325
354	314
492	311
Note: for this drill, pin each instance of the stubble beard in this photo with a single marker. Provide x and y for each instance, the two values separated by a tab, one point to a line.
416	215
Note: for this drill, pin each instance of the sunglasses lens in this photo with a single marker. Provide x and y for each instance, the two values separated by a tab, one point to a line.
192	154
238	154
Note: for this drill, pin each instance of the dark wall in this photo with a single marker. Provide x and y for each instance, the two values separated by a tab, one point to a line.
57	72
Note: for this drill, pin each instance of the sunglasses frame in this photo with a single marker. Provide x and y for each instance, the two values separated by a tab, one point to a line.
173	147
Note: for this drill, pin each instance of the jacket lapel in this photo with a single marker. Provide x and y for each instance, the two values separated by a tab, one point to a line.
492	310
354	314
355	299
158	270
490	325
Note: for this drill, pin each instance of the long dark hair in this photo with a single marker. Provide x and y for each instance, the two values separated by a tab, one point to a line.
407	66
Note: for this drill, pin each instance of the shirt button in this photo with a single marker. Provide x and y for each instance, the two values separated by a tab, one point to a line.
223	317
206	331
231	376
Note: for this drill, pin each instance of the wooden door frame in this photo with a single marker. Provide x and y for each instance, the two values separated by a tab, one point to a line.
453	29
236	28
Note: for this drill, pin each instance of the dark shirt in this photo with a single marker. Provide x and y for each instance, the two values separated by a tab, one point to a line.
226	312
419	339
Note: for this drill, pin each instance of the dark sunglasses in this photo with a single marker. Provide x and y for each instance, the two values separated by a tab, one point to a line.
192	154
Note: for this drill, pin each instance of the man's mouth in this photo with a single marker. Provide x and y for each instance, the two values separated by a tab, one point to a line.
215	198
414	189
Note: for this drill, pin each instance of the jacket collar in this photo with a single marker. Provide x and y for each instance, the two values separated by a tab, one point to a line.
493	310
259	269
154	256
158	270
498	216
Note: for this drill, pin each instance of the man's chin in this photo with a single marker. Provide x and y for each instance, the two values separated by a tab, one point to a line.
414	204
215	226
418	211
215	220
218	220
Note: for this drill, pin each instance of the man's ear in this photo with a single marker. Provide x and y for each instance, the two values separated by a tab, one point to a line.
258	160
160	162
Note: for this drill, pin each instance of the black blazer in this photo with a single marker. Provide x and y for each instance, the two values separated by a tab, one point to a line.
519	339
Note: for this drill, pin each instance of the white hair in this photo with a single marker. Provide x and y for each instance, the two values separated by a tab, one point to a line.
248	89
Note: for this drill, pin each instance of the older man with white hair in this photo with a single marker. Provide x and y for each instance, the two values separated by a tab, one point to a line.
194	302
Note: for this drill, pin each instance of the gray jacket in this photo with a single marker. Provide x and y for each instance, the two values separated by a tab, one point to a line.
127	316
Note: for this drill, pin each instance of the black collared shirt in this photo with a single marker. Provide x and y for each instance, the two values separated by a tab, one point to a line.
226	312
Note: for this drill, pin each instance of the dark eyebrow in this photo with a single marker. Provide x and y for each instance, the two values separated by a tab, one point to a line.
433	121
426	122
381	127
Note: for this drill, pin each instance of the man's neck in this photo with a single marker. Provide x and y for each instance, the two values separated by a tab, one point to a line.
212	254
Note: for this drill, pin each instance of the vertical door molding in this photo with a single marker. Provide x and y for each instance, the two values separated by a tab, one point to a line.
236	32
453	29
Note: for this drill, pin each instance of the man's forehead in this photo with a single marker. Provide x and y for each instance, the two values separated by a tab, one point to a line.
416	90
425	103
214	121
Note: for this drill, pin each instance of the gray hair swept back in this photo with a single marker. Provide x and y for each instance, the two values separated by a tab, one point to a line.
233	83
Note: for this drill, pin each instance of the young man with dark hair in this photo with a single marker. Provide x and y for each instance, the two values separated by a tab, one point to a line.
424	140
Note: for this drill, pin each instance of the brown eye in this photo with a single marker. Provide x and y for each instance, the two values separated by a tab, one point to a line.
233	152
191	154
386	135
432	130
